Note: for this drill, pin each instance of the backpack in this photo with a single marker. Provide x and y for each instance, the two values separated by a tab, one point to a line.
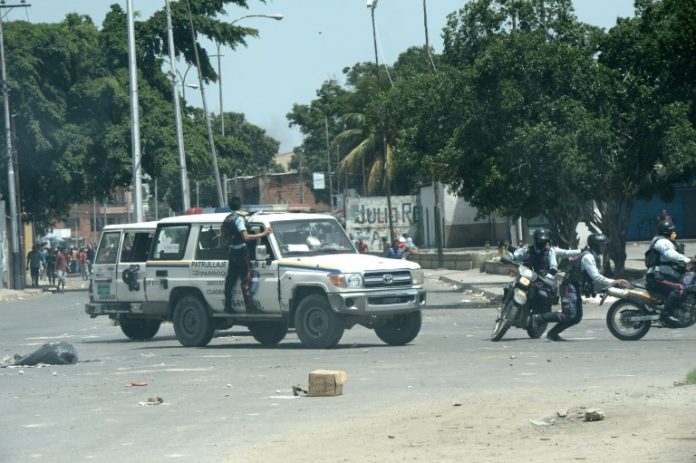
652	256
229	230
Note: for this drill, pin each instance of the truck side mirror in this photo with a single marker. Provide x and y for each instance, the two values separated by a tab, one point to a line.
261	252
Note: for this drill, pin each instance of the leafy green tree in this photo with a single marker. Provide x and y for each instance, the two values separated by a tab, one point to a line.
71	105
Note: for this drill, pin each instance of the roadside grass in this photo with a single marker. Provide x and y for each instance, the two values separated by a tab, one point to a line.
691	377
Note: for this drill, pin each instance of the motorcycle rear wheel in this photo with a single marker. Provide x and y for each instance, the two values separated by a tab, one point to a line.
504	320
623	329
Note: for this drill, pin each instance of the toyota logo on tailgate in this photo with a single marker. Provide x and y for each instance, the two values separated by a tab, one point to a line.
387	278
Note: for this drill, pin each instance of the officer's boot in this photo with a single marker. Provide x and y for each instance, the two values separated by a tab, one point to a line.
671	305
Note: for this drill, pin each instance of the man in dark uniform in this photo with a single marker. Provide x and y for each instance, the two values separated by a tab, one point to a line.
235	234
580	280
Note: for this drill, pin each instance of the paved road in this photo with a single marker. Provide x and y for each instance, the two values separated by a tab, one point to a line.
235	393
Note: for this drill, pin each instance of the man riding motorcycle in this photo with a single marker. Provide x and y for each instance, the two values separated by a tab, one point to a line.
542	259
664	276
580	280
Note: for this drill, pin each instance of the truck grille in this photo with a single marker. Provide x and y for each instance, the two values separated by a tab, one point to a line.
387	279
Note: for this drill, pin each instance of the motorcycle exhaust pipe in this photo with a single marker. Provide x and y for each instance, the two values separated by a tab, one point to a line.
634	295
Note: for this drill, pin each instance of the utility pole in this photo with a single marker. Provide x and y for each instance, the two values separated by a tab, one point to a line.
211	143
222	114
372	4
17	274
436	190
328	162
185	195
135	117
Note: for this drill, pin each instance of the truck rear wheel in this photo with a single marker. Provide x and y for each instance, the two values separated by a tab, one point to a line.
317	325
140	329
400	329
268	333
192	325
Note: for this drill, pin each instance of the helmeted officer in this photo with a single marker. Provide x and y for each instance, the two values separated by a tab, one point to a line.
664	276
542	259
580	281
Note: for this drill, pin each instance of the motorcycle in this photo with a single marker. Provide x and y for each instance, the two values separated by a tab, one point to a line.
638	309
516	307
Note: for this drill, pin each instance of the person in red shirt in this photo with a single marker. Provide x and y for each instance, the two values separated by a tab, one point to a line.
61	269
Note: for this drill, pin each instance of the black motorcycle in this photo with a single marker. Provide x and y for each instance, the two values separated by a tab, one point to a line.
638	309
520	301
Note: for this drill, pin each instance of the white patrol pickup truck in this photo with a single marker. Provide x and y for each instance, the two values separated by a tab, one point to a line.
306	274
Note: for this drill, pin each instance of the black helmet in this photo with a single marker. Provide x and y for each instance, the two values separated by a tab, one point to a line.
665	228
596	240
541	237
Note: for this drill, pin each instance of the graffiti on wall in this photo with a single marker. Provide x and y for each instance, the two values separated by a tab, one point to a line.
367	219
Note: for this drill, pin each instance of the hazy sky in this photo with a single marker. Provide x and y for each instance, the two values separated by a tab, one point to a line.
291	58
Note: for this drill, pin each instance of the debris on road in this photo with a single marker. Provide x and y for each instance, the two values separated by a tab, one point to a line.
136	383
326	383
570	415
594	414
297	389
152	401
52	353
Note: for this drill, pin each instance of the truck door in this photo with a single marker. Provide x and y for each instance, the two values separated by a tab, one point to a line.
105	266
166	265
130	271
264	274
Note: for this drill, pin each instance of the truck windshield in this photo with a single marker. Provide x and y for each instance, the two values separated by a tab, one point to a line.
312	237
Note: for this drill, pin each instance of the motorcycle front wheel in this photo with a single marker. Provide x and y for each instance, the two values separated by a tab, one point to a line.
535	331
504	320
619	324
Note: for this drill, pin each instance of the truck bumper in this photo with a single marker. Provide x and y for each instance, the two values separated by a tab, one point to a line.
111	308
378	302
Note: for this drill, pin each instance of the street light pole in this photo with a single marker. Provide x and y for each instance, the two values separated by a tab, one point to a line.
185	195
135	117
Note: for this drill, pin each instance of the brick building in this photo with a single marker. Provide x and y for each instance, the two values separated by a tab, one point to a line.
280	188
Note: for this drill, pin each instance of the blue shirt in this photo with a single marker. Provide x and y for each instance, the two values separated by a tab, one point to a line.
394	253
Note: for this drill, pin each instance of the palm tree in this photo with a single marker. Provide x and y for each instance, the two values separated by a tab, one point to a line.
365	156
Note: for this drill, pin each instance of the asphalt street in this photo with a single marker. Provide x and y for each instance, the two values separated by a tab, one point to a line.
235	394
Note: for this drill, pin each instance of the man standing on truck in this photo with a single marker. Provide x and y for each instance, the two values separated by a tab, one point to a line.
235	236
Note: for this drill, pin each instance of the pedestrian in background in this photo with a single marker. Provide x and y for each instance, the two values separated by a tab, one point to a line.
51	266
43	253
61	269
34	265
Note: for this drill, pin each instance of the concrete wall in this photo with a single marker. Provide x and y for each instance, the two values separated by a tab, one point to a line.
460	227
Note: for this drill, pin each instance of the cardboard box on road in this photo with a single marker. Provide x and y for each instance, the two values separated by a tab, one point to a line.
326	383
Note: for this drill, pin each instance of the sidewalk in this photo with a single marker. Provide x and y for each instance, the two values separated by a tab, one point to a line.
72	283
490	284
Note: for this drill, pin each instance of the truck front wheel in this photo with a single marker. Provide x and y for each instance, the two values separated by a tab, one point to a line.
400	329
317	326
192	325
140	329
